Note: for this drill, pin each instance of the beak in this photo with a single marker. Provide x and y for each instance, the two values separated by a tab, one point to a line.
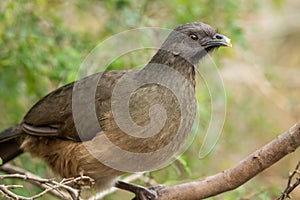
216	41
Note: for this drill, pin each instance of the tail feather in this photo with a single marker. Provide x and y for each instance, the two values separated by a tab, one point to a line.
9	143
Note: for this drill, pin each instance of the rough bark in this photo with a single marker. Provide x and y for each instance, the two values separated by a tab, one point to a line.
234	177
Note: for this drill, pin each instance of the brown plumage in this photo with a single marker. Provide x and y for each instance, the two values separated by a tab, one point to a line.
48	130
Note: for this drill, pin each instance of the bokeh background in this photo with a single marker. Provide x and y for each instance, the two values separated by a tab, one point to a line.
43	43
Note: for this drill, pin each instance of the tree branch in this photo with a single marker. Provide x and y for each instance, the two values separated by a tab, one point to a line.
239	174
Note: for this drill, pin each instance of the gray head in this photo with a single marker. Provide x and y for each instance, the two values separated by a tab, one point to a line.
194	40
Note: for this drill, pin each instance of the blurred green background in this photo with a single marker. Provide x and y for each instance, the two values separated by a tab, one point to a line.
43	43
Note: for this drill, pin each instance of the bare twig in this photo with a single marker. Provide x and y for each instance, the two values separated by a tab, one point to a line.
10	169
290	187
60	189
239	174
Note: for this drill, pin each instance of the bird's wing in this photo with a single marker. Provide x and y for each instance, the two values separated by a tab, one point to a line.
53	114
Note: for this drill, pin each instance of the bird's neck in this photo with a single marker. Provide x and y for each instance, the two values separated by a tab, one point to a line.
184	67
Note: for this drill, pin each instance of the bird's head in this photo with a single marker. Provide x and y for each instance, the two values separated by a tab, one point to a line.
194	40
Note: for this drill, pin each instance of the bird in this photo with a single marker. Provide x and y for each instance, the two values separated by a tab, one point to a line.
156	104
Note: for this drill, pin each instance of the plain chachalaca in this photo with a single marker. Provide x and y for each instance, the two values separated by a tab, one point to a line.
60	129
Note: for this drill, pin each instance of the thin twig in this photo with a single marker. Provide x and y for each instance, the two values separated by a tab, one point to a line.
290	187
10	169
49	185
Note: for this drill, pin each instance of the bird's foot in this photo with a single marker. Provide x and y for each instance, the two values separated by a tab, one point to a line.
149	193
141	193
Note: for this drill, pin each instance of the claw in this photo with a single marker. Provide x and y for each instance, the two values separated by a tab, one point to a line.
141	193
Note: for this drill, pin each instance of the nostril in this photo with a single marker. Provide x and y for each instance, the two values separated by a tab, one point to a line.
218	36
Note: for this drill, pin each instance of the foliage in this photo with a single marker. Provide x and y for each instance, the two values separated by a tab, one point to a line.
37	54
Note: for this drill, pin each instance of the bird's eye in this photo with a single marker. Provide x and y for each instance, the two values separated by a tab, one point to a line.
194	37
